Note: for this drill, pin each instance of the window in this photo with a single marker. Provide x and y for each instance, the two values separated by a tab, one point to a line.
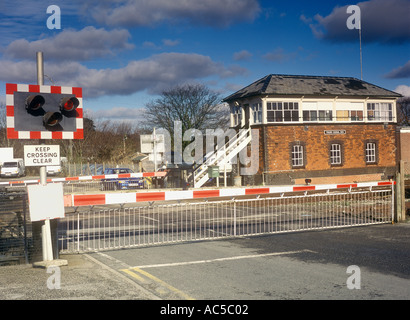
356	115
257	113
297	156
283	111
335	154
290	111
312	115
236	115
274	112
380	112
325	115
371	152
342	115
349	115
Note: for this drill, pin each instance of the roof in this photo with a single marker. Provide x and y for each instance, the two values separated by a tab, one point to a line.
283	85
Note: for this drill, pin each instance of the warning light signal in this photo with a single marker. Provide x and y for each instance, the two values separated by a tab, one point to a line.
44	112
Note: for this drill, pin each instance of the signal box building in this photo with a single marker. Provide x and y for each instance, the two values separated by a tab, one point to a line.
326	129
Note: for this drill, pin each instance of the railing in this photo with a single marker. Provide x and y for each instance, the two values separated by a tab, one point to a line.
222	156
191	221
15	229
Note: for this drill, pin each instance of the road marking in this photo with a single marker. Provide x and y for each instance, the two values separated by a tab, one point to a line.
149	294
219	259
132	272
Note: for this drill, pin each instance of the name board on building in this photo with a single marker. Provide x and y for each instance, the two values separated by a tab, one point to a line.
43	155
335	131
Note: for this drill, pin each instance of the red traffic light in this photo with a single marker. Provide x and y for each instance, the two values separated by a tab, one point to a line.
34	102
69	104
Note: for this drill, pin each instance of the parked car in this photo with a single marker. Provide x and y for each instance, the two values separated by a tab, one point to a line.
121	183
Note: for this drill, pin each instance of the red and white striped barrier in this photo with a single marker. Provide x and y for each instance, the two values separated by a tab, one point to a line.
75	200
97	177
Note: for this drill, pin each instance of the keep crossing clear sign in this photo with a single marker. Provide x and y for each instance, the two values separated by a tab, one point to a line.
41	155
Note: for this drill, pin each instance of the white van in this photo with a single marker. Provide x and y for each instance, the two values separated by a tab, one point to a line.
57	169
53	170
13	168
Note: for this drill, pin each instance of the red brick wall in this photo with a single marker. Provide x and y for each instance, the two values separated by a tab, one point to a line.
405	146
276	145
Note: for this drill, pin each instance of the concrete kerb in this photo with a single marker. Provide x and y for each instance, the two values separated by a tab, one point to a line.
51	263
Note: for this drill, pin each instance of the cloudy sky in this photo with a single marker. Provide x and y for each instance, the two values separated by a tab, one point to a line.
125	52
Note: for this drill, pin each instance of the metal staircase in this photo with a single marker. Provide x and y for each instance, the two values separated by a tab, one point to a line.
222	156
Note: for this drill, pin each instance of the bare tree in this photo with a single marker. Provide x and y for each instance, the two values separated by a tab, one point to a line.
403	111
196	106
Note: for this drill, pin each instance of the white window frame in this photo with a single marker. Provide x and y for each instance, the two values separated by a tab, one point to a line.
297	156
371	152
257	113
335	154
281	110
380	111
236	115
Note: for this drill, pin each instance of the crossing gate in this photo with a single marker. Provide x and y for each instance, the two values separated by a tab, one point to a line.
157	224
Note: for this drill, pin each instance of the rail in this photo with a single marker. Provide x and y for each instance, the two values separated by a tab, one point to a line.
88	178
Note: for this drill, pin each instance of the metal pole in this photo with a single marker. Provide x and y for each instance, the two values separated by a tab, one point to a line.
25	229
40	81
45	229
155	151
40	69
361	58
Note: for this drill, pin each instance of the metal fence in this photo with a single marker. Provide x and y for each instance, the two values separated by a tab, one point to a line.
15	228
192	221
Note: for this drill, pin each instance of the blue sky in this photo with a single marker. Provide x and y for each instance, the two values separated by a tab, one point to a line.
124	53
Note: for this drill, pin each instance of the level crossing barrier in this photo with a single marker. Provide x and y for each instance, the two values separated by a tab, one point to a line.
143	196
281	210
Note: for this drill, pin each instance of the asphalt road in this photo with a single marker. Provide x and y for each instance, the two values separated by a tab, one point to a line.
359	263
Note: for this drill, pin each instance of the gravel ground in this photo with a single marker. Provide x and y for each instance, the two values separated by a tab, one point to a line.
83	278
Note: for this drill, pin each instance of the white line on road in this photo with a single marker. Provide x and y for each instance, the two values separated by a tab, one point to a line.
220	259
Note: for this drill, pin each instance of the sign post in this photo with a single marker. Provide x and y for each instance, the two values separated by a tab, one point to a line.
46	229
41	156
41	112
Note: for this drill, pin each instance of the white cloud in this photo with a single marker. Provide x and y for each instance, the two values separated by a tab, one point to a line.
403	90
170	43
382	21
242	55
153	75
27	19
121	114
85	44
400	72
279	55
147	13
